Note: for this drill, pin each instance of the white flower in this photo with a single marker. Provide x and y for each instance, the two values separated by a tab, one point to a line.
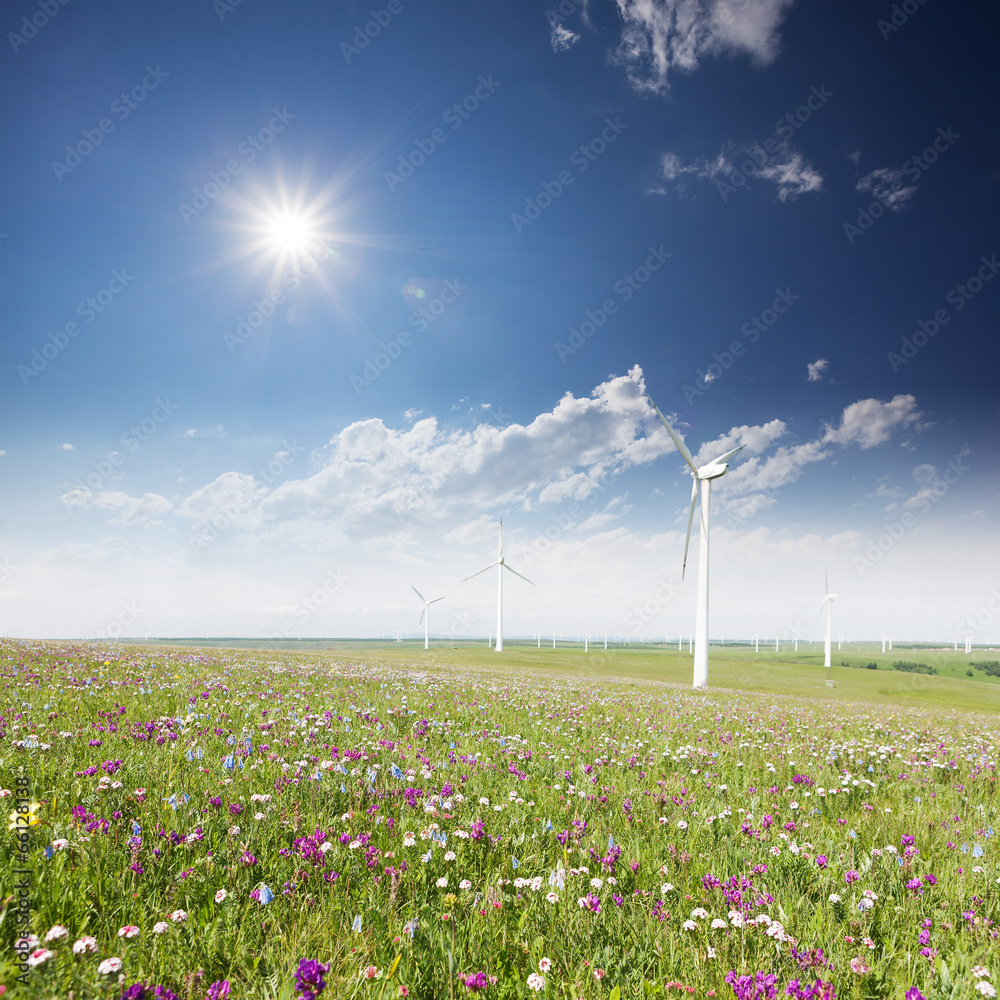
689	925
719	924
409	839
865	903
354	845
221	895
161	927
544	964
450	855
536	982
179	916
484	801
736	918
258	816
985	988
465	884
700	913
681	825
665	888
60	844
84	944
552	897
55	933
109	965
834	898
980	972
128	931
39	955
442	883
596	883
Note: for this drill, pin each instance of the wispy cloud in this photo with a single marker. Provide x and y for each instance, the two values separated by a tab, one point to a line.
661	37
886	184
786	168
816	369
562	38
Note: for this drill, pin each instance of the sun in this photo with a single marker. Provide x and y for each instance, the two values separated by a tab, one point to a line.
289	234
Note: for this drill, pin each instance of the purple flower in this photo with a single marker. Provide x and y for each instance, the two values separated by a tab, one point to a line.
822	860
760	986
914	994
309	978
218	990
851	876
475	981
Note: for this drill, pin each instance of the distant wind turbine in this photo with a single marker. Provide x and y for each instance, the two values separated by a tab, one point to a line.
702	484
501	566
425	616
828	604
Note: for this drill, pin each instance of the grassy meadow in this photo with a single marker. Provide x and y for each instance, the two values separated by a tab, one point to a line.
265	823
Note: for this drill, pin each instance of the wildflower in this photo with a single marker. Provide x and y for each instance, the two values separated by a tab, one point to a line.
552	897
55	933
409	839
39	955
834	898
719	924
221	895
309	978
858	966
442	883
980	972
665	888
179	916
371	972
700	913
60	844
161	927
84	944
914	994
128	931
689	925
109	966
475	981
219	990
985	988
599	974
545	964
589	902
536	982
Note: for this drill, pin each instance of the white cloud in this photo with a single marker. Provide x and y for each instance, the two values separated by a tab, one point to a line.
816	369
869	422
660	37
886	184
128	510
786	168
66	447
562	38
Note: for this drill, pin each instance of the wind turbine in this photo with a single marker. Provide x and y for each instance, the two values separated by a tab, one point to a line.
425	616
828	604
501	565
704	475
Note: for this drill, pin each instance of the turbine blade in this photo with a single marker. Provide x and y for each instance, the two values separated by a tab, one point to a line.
422	613
822	608
421	596
826	580
681	447
728	455
483	570
687	541
500	546
436	599
515	572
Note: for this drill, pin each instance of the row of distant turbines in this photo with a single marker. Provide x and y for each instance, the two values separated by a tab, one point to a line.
701	487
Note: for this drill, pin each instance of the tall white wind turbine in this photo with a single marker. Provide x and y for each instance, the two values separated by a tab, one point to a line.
828	605
425	616
501	565
702	484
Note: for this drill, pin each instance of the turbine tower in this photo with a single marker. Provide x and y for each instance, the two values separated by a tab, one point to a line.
828	604
425	616
501	566
702	484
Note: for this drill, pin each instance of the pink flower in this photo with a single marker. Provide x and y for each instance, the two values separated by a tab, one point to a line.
56	932
545	964
858	966
128	931
599	974
109	965
179	916
84	944
39	955
161	927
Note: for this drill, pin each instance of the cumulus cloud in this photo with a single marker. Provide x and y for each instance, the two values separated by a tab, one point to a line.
66	447
786	168
661	37
869	422
816	369
128	510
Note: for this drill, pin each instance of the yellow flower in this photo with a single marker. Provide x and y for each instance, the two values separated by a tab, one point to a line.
19	821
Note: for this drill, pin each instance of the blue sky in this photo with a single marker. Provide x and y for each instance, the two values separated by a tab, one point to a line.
300	299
